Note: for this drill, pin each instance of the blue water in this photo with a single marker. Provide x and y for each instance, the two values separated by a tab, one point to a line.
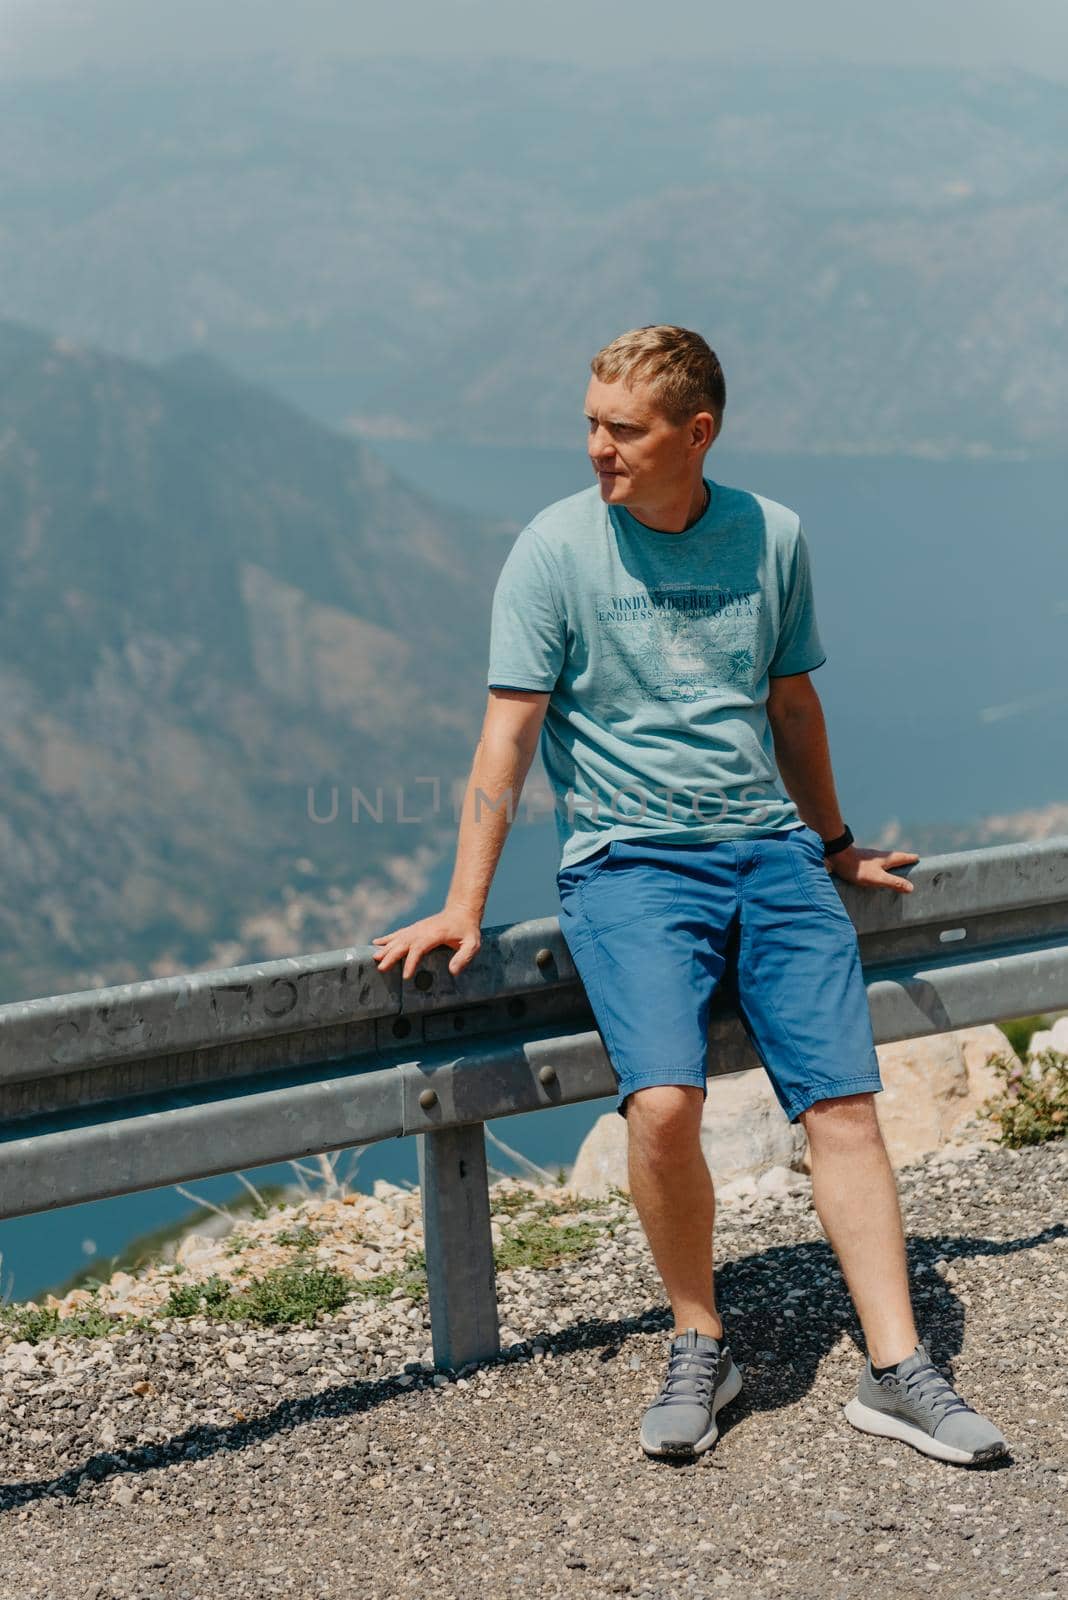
942	596
43	1250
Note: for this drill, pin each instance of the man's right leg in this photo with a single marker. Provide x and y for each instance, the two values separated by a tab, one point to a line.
671	1187
672	1191
648	926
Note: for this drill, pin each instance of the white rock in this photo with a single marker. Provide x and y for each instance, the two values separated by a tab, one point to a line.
780	1180
1055	1038
932	1085
744	1131
383	1190
738	1191
196	1250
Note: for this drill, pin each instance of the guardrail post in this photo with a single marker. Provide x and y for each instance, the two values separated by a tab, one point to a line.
454	1187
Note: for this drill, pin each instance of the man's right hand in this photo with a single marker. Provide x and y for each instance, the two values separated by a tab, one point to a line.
456	927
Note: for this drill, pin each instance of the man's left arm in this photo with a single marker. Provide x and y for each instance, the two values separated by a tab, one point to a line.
803	756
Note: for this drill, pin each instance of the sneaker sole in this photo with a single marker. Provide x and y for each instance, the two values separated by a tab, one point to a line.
887	1427
727	1391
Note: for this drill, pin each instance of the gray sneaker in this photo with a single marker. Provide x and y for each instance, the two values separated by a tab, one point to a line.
917	1404
701	1379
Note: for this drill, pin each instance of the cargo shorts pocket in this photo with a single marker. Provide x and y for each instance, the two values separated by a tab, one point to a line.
812	877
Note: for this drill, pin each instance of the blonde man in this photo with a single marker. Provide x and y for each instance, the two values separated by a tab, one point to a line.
657	633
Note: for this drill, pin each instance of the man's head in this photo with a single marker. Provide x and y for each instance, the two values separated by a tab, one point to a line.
654	405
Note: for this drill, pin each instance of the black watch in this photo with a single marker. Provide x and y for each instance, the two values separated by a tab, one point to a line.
831	847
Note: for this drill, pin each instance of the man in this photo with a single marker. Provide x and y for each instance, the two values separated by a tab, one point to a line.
657	631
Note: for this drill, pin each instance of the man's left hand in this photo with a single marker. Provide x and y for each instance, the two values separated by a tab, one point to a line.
870	867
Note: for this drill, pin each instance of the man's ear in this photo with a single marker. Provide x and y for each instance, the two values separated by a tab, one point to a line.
713	422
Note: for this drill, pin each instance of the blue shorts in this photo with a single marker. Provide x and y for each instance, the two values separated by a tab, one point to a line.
655	928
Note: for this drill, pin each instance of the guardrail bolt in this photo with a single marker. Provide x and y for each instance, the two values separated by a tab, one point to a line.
546	1074
544	957
424	979
428	1098
401	1028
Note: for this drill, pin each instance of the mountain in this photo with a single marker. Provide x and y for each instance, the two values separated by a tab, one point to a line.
1031	825
434	248
839	333
213	607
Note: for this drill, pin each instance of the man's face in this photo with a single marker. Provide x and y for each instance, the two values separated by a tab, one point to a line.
640	457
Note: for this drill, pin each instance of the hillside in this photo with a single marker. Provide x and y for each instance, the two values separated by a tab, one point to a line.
430	249
211	604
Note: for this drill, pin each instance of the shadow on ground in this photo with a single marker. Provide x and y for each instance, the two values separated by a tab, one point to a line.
752	1295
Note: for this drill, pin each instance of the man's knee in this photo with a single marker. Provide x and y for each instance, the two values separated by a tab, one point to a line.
664	1115
846	1122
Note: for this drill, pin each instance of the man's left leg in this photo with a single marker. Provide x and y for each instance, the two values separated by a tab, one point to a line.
855	1197
801	993
901	1394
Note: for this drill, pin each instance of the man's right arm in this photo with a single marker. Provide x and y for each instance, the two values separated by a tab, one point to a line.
503	756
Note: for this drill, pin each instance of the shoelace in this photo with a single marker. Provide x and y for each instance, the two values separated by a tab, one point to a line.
689	1367
930	1387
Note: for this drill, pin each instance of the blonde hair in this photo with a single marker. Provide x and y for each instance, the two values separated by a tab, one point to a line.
683	370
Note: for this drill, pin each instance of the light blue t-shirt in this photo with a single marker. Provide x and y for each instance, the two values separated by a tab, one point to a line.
657	648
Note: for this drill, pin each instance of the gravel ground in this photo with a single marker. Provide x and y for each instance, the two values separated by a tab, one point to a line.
205	1460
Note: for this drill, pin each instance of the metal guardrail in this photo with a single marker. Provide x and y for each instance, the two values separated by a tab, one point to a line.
114	1090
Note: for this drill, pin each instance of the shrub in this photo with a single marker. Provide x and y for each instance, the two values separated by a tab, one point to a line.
411	1278
294	1293
34	1323
197	1299
1033	1106
302	1238
540	1244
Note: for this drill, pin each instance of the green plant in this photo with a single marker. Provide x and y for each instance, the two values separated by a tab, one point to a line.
1018	1031
302	1238
1033	1105
294	1293
34	1323
380	1287
506	1202
540	1244
197	1299
411	1278
509	1202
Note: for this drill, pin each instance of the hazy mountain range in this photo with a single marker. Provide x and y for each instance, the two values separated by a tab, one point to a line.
213	605
210	605
435	248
